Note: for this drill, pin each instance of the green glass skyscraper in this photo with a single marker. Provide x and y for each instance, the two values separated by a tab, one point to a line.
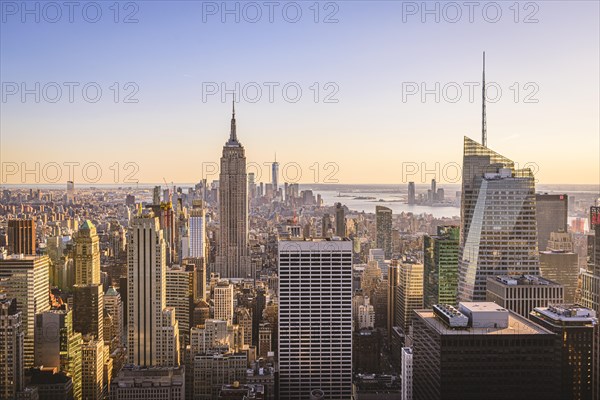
440	259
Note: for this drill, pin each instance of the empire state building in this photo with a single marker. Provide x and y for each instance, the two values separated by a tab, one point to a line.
233	256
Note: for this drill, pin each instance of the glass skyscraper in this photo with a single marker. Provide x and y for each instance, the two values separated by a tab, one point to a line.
499	230
440	259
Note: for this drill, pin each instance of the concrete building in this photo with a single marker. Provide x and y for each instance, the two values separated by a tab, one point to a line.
480	350
551	216
561	267
409	295
143	383
407	374
21	236
315	318
58	346
223	301
92	368
521	294
233	253
153	332
87	255
212	371
574	327
180	292
88	309
11	349
26	278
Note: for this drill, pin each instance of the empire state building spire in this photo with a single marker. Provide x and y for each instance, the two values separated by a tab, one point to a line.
233	135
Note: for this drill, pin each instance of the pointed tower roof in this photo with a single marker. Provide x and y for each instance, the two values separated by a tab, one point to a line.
233	141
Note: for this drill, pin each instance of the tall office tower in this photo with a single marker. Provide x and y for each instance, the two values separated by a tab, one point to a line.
521	294
233	254
384	230
275	174
181	286
366	315
482	351
559	264
433	191
574	327
315	291
409	294
213	370
223	301
197	232
26	278
251	186
70	195
88	310
264	339
492	187
340	220
407	373
92	368
370	277
135	383
114	307
199	266
58	345
393	283
243	318
551	215
151	327
11	349
440	280
156	195
21	236
87	255
326	226
411	193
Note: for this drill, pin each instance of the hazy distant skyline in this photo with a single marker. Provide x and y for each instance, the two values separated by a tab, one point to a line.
171	54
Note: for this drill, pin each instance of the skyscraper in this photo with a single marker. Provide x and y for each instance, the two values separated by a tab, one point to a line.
551	215
490	245
87	255
233	255
411	193
384	230
440	280
223	300
275	174
315	318
26	278
21	236
58	345
574	328
340	220
409	295
197	233
11	349
482	351
153	337
114	306
88	310
181	286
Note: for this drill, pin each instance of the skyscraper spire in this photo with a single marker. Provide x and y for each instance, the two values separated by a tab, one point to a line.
483	122
233	135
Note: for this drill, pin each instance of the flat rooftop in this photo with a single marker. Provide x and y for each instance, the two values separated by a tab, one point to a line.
517	325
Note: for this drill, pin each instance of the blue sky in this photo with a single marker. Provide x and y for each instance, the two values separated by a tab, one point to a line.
368	57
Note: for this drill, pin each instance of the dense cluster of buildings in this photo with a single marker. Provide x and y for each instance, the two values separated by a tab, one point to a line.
245	290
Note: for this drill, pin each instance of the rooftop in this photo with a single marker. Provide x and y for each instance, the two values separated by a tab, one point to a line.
517	325
567	312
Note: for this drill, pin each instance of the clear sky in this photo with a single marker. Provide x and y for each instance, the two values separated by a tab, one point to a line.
372	60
